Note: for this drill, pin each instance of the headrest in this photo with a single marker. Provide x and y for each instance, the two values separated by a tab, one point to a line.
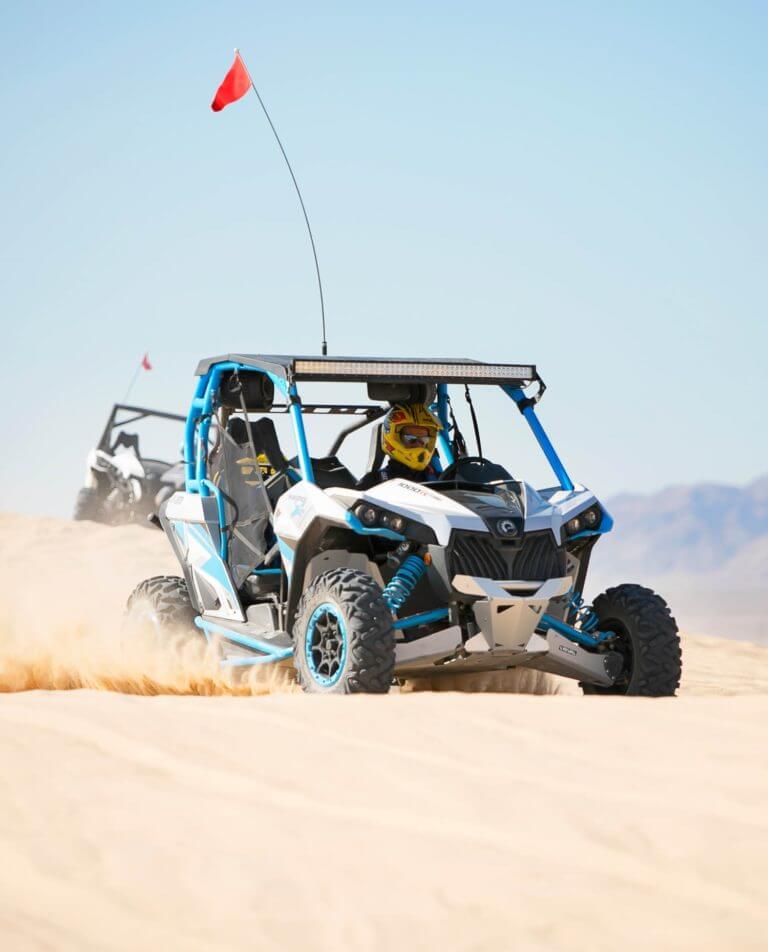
264	438
238	430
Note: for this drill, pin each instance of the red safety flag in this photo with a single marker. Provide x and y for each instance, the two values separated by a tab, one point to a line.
236	84
145	364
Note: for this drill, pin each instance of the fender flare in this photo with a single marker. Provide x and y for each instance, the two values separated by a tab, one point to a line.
308	547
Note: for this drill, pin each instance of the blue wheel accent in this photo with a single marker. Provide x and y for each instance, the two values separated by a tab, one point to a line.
325	645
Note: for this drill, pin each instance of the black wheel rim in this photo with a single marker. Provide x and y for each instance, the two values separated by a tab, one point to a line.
326	645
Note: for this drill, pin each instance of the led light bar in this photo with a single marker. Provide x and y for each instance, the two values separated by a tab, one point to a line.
407	370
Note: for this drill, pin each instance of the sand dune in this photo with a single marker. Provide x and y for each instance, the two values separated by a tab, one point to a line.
413	821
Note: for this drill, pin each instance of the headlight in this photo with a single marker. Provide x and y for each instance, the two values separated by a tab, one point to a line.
373	517
573	526
367	515
589	519
396	523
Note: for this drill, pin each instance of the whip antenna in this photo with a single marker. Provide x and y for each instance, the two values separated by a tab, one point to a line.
298	192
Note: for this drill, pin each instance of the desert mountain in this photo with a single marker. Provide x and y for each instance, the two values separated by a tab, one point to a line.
705	546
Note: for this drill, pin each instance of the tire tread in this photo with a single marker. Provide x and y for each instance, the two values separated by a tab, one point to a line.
169	598
370	638
657	657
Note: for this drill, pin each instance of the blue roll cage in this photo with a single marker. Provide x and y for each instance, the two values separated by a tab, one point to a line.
198	424
196	432
200	414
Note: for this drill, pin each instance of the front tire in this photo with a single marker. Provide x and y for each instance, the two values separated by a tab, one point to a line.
647	639
344	642
161	605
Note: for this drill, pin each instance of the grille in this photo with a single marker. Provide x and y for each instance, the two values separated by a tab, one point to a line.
477	555
537	559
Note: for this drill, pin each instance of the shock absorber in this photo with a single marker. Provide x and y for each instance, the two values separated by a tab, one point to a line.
400	587
581	614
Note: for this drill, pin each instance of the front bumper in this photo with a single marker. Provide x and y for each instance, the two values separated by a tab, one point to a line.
507	615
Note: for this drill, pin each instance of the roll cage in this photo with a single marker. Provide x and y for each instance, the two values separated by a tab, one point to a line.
117	421
285	372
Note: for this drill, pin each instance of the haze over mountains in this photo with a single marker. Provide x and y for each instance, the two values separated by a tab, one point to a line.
704	547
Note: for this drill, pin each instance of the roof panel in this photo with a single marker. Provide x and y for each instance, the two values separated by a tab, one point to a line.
438	370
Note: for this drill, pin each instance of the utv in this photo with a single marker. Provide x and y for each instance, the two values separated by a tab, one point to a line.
286	561
121	485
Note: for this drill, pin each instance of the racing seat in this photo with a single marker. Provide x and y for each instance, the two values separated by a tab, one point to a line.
265	442
329	471
252	532
264	439
129	440
376	457
376	462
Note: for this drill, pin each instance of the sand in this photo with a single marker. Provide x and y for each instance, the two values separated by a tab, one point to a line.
470	821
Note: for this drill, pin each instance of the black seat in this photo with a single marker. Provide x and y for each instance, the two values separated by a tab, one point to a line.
330	472
129	440
264	439
376	458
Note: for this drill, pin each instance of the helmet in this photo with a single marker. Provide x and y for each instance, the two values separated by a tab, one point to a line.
408	434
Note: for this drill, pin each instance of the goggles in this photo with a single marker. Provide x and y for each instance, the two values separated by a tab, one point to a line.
416	436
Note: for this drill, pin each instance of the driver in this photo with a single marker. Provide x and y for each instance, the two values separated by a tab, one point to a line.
408	437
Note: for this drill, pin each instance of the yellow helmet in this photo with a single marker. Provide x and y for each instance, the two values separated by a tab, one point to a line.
409	433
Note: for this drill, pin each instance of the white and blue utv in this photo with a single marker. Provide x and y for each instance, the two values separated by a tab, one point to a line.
286	561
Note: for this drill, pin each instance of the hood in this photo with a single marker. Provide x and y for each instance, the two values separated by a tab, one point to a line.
480	510
417	501
502	510
500	513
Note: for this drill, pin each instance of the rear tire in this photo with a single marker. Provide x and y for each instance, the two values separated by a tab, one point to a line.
344	642
161	604
89	506
646	637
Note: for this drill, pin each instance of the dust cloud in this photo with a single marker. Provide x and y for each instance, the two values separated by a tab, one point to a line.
63	588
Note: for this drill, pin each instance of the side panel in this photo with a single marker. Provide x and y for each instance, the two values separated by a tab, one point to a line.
303	516
191	523
295	510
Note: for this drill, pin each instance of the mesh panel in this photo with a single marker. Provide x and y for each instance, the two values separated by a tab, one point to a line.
246	505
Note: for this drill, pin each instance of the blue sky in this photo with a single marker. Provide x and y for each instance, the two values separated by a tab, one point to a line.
580	185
